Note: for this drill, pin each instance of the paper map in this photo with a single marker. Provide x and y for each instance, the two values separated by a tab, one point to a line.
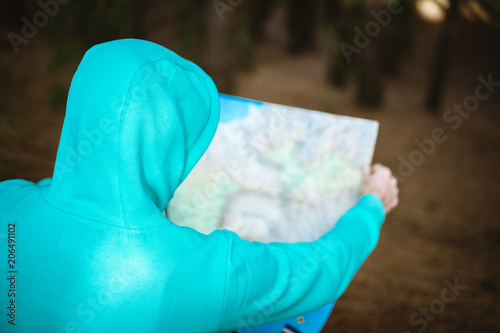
275	173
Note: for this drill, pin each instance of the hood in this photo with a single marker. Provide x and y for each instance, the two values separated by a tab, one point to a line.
138	119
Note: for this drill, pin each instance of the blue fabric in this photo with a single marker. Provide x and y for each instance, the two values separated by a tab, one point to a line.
93	252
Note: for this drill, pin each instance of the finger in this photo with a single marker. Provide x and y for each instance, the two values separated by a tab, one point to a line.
392	205
395	203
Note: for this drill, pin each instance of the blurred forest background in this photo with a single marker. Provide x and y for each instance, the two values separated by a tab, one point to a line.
405	64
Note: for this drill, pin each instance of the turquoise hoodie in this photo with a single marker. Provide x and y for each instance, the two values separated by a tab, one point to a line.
89	250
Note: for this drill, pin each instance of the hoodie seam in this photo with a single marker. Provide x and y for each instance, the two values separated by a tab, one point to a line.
127	99
98	223
120	126
118	164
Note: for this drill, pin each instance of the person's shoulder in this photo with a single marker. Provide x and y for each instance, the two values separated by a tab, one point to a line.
13	184
12	190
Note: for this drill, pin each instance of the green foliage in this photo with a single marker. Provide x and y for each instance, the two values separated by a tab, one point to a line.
190	25
58	92
62	56
243	45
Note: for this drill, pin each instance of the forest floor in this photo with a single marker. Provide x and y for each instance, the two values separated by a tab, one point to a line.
446	227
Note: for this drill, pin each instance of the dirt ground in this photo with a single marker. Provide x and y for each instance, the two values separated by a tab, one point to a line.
447	224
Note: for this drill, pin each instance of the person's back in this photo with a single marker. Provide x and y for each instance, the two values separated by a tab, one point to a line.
89	248
71	271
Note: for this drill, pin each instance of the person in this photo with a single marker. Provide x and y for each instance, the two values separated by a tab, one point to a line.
89	249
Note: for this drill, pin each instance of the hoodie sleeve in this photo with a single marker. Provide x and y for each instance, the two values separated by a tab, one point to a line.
271	282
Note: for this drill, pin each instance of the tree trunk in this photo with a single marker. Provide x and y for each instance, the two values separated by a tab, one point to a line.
217	51
338	17
369	90
301	25
260	12
441	60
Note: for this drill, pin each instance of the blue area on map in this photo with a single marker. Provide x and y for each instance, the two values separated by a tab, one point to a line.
232	107
311	322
